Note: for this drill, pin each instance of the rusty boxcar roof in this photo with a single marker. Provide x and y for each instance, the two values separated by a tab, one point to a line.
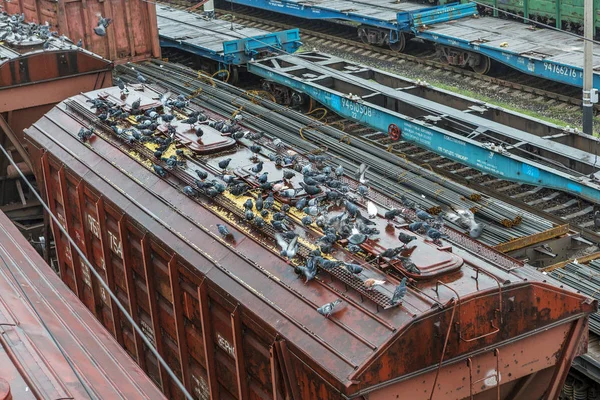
29	53
31	364
349	348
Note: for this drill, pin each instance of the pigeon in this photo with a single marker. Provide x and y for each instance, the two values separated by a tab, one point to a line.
259	222
279	216
80	43
301	203
140	78
354	248
415	226
477	229
393	213
263	178
352	209
136	104
85	134
248	205
259	203
249	215
100	30
255	150
328	309
353	268
189	191
309	273
199	132
405	238
256	168
363	190
223	164
407	203
357	239
434	234
310	189
201	174
400	292
288	250
411	267
371	283
287	174
223	230
159	170
371	209
268	202
339	171
307	220
360	175
424	215
391	253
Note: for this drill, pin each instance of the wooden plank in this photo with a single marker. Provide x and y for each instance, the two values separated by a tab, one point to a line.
179	325
532	239
209	347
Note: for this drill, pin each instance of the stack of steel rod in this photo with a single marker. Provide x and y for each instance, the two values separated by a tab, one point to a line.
388	173
586	279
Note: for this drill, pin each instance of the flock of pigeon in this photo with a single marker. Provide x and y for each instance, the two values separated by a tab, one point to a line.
319	193
14	29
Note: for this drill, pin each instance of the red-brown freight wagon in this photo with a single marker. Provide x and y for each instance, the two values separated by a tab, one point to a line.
132	36
234	321
37	309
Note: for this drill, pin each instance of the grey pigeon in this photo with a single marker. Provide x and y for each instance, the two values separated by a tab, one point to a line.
328	309
424	215
405	238
360	175
400	292
223	230
288	250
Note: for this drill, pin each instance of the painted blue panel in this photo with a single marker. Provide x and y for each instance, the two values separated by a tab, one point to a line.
435	139
309	12
240	51
547	69
438	15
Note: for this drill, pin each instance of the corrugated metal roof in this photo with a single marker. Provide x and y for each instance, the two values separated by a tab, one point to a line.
41	370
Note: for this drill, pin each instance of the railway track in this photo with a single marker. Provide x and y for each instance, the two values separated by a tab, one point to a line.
343	37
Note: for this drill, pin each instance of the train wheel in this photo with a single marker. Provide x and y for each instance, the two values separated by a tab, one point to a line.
399	45
363	35
233	76
484	66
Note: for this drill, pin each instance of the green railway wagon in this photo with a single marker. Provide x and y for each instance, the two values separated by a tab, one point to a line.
563	14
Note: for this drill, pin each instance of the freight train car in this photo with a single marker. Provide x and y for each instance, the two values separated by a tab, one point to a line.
226	308
460	35
132	35
567	15
51	346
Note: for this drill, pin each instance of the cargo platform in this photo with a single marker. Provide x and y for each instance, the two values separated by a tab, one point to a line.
221	41
461	135
462	37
